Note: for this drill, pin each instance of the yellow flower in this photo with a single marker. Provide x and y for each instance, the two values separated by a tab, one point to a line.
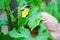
25	12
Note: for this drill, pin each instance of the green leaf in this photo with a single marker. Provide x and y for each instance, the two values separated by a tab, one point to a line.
14	34
22	35
1	4
25	32
34	18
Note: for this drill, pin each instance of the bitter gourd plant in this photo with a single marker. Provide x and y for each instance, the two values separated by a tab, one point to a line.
29	20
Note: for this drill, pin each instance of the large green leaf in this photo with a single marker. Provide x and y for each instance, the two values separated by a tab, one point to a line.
34	17
24	34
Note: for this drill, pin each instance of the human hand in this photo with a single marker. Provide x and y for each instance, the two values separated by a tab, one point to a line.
51	24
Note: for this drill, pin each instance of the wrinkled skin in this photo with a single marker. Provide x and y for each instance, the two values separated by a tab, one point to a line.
51	24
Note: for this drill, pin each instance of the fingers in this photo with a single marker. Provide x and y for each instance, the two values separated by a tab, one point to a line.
56	35
50	21
47	16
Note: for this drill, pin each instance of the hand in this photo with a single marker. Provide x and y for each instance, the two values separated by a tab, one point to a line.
51	24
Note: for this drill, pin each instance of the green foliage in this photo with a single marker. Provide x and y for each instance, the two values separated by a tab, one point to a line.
1	4
54	9
33	19
14	34
24	34
4	4
4	37
58	1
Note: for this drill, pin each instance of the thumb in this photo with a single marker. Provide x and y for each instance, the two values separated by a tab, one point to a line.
49	21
